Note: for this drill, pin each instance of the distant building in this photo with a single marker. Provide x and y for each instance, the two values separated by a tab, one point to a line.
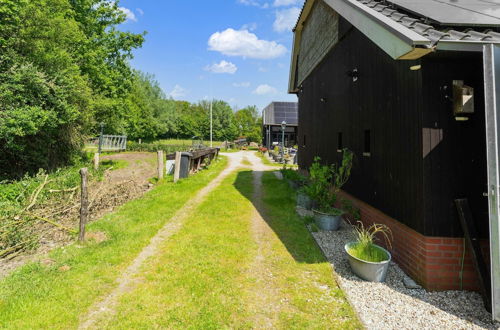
272	117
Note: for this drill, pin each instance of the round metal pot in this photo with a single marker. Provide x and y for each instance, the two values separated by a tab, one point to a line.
366	270
304	201
327	221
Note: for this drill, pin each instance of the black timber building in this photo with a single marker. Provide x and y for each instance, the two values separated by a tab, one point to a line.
402	84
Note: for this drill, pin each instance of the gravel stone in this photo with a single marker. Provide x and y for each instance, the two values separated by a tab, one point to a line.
410	283
391	305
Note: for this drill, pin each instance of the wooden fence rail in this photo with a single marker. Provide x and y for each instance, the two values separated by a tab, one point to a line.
197	158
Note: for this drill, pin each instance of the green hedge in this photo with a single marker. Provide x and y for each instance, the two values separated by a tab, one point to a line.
153	147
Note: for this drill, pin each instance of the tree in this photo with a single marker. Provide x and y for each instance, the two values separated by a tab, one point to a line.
63	68
251	123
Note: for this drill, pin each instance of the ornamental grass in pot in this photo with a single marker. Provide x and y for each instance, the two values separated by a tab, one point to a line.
326	182
368	260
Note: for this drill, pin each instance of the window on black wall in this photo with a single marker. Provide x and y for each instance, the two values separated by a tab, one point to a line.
340	144
367	151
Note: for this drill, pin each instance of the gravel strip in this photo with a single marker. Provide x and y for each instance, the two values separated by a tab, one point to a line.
391	305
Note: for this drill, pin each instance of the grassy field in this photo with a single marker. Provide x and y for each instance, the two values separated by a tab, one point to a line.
204	277
207	275
186	142
54	292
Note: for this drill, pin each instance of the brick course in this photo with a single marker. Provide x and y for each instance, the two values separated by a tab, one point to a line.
434	262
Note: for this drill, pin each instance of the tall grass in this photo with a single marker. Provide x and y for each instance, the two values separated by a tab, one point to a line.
365	247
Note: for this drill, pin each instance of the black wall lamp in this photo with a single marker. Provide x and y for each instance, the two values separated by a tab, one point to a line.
354	74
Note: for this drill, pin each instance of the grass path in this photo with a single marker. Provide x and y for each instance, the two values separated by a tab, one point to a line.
53	293
242	260
237	257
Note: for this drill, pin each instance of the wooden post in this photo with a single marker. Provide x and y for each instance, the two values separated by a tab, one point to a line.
177	166
96	161
160	165
198	166
84	209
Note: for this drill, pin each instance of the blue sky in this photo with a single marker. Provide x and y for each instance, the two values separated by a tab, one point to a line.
235	50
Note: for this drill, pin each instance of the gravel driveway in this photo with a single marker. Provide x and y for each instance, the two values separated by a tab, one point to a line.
391	305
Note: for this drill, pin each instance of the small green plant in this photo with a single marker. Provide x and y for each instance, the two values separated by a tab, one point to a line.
365	248
327	180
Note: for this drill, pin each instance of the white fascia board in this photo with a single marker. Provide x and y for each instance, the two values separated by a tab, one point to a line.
463	45
394	38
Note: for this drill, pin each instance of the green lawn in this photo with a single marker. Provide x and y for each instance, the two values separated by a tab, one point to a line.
186	142
47	296
205	276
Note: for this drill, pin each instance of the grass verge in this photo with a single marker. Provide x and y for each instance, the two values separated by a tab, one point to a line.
205	276
55	292
196	281
301	271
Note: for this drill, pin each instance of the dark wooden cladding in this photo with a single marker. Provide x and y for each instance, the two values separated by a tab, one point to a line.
456	167
385	99
395	104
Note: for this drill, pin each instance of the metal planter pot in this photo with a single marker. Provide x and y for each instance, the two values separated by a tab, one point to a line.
366	270
304	201
327	221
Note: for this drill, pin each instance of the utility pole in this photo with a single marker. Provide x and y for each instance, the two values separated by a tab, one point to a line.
211	123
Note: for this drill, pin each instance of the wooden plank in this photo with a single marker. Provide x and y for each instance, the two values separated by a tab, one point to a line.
472	238
161	168
177	168
84	204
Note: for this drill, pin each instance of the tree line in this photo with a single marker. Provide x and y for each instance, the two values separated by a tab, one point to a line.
64	69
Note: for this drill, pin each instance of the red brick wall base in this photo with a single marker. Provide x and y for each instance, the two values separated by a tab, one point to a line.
434	262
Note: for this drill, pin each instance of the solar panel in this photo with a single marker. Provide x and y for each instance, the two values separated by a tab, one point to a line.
454	12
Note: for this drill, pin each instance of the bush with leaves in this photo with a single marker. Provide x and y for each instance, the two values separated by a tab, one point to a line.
327	180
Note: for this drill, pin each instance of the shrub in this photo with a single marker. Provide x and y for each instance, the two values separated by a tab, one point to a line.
154	147
327	180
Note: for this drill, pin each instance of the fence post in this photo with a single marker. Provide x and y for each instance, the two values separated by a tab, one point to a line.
160	165
177	166
84	201
96	160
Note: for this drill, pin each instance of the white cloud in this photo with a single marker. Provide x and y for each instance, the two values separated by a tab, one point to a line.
255	3
243	43
129	14
250	26
140	11
265	89
286	19
222	67
282	3
244	84
178	92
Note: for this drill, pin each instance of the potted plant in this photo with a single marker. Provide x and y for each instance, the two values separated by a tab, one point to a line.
326	182
368	260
